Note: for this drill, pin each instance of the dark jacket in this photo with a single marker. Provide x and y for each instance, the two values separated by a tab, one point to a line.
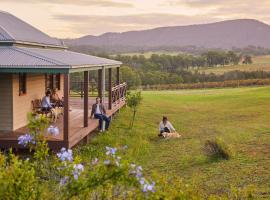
101	108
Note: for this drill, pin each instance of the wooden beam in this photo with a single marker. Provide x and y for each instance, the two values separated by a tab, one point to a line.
117	75
118	83
85	107
100	83
66	109
103	84
110	88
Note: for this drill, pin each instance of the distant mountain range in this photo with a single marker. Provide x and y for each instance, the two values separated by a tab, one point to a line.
226	35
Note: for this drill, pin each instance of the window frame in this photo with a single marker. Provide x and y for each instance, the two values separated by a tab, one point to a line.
54	81
22	84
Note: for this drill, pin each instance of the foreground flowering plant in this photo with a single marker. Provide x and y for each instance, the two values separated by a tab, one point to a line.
100	171
26	139
65	155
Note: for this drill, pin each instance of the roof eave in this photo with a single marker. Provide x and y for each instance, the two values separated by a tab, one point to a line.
32	44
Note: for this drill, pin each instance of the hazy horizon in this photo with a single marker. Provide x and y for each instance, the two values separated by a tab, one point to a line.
72	19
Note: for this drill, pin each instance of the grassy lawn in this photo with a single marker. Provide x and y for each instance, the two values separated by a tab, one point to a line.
240	116
260	63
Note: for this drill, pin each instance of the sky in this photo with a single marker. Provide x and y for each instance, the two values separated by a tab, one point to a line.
76	18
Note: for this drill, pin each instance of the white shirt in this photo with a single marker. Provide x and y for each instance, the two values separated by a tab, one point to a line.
98	109
45	103
168	125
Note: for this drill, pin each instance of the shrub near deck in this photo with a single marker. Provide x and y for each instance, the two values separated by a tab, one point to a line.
239	116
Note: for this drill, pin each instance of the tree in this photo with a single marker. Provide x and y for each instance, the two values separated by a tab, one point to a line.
133	101
130	76
247	59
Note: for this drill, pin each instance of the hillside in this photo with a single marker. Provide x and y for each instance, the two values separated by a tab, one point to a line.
226	34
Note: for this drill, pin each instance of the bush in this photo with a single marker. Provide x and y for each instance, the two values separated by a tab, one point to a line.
217	149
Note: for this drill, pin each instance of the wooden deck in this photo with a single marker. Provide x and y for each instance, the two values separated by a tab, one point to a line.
76	130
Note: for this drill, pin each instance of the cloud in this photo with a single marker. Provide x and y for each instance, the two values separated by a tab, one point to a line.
101	3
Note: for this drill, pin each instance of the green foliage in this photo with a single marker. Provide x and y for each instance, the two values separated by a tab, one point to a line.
37	123
217	149
17	179
133	101
130	76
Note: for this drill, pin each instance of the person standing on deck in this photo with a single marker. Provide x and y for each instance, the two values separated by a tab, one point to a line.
99	112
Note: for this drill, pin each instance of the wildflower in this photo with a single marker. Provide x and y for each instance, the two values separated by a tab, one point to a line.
65	155
139	168
142	181
25	140
94	161
110	151
64	180
148	187
53	130
132	165
117	161
107	162
78	169
125	147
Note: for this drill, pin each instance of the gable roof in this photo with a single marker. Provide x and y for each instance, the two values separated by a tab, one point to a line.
22	57
14	30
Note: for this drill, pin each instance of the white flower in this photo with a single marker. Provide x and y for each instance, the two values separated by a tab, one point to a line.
132	165
94	161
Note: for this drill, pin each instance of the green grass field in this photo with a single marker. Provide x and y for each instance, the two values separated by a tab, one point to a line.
260	63
240	116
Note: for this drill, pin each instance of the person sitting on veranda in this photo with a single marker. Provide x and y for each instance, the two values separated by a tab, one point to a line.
46	103
165	126
99	112
56	99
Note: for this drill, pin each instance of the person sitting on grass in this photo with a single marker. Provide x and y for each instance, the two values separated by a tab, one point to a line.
46	103
99	112
167	130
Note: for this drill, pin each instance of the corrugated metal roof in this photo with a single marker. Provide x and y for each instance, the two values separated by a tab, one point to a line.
22	57
14	29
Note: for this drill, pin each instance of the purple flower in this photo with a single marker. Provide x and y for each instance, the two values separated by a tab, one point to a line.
64	180
65	155
148	187
25	140
142	181
110	151
78	169
53	130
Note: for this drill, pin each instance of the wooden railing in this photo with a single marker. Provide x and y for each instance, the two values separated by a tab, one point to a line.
119	93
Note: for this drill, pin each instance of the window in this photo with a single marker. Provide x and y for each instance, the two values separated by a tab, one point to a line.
22	84
52	81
